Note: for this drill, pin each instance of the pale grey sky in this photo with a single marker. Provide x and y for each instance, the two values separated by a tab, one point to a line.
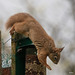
50	14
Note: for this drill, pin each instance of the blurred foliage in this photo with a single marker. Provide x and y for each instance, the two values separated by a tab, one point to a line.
6	60
6	56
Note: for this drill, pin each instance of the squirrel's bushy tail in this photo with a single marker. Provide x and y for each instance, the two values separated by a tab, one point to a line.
20	17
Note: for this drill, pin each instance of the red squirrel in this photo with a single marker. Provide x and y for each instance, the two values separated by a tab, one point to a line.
25	24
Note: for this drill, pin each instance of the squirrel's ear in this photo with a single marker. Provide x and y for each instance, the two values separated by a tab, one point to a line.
60	49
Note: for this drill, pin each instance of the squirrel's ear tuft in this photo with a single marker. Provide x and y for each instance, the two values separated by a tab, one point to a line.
60	49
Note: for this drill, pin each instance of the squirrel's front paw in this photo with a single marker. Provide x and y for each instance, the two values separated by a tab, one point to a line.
11	32
48	67
42	60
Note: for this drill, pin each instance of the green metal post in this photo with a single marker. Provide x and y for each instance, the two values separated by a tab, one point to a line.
26	61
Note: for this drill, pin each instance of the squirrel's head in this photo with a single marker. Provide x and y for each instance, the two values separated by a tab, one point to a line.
55	54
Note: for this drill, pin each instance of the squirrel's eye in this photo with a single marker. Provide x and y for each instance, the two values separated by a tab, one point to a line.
55	57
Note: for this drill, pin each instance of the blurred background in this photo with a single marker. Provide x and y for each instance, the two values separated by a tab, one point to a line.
57	17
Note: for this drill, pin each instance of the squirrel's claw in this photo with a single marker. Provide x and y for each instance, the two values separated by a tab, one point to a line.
48	67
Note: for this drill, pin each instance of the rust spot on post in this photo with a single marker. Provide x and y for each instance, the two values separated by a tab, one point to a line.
6	71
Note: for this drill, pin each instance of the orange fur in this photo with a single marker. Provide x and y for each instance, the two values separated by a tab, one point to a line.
25	24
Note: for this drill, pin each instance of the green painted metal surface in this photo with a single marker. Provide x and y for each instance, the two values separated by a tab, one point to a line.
23	42
25	46
20	63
